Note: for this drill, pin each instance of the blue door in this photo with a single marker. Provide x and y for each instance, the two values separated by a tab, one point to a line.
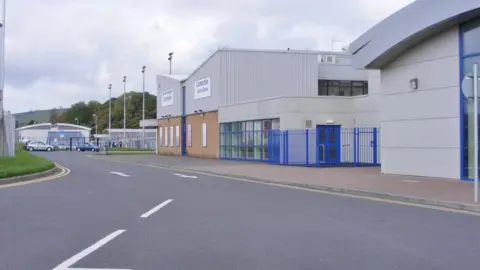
328	144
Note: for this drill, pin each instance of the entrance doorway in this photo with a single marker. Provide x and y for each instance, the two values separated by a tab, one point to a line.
328	144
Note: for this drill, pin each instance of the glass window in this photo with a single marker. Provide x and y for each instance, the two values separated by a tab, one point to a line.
333	88
358	88
242	126
468	120
258	132
322	87
249	126
345	88
471	37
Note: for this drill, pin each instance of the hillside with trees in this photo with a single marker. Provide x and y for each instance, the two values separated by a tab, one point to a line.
84	112
37	116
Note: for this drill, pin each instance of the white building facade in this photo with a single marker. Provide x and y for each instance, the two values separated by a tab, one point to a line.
228	105
426	121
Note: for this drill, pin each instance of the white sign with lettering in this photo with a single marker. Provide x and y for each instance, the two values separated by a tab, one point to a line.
202	88
167	98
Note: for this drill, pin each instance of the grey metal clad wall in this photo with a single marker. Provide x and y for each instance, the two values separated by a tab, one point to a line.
342	70
211	101
414	23
253	75
172	105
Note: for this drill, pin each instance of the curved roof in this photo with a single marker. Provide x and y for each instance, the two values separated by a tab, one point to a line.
71	125
52	125
34	126
407	27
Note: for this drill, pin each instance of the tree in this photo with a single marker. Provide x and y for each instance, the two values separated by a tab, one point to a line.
84	111
31	122
53	116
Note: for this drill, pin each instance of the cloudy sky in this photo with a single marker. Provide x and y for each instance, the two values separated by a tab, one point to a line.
62	51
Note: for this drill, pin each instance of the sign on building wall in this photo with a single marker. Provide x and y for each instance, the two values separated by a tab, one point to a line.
202	88
167	98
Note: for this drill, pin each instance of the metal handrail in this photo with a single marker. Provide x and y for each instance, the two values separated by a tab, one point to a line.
323	151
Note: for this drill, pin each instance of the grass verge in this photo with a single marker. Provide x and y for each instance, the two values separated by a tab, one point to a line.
23	163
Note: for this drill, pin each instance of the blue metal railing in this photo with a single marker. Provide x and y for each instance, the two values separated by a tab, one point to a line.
323	146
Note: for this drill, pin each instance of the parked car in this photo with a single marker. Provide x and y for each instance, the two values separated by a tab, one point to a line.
88	147
39	146
62	147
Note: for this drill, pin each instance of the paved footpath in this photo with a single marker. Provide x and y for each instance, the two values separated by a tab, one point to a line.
365	180
115	216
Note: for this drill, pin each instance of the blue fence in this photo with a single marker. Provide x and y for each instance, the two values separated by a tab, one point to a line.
324	146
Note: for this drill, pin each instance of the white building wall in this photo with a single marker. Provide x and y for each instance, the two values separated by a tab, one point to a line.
293	111
34	134
367	107
420	128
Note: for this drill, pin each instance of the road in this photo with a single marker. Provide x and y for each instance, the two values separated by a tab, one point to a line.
107	215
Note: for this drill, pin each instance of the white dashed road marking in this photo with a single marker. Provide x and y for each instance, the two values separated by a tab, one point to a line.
156	208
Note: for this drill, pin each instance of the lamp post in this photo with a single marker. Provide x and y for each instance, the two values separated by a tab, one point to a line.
143	104
470	91
170	60
124	107
76	119
96	124
109	111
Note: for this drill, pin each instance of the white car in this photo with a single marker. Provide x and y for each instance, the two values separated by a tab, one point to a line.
39	146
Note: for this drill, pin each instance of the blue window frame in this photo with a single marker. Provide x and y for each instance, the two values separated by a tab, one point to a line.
246	140
469	39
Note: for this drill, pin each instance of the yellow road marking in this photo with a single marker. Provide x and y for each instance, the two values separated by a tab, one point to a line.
63	172
364	197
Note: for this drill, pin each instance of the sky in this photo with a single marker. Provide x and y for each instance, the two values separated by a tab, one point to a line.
59	52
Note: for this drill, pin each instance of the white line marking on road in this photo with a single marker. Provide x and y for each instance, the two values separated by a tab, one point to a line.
66	264
121	174
392	201
94	269
184	175
156	208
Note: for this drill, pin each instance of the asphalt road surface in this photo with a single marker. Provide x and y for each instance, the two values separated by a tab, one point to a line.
107	215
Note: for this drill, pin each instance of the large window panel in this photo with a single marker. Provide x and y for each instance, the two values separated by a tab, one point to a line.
471	37
322	87
345	88
333	88
358	88
468	119
235	139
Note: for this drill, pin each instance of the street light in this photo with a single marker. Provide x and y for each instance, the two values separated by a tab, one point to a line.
143	104
76	119
124	107
170	59
470	91
96	124
109	112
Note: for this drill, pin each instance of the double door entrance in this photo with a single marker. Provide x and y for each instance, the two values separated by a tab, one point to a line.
328	144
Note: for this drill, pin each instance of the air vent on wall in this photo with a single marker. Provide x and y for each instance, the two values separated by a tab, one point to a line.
329	59
308	123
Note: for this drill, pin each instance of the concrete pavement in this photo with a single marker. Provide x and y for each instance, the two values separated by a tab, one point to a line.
214	223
